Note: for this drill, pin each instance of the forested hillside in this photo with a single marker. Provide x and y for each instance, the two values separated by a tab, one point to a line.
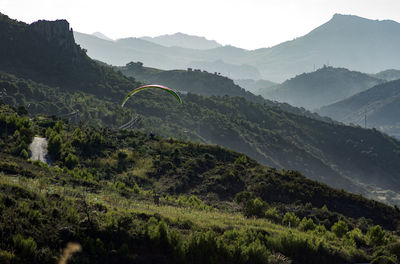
377	107
214	205
321	87
369	160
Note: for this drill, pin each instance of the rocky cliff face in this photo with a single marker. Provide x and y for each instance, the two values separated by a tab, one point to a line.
44	51
56	32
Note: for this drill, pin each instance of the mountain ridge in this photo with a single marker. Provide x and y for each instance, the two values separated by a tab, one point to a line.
377	105
321	87
184	41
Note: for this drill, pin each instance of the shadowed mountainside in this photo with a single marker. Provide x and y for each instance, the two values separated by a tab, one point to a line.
322	87
344	41
379	105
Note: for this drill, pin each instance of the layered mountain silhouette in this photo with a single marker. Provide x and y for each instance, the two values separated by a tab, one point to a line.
255	86
184	41
344	41
322	87
102	36
388	75
377	107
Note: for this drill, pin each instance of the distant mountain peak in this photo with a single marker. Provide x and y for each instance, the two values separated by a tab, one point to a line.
183	40
101	36
345	18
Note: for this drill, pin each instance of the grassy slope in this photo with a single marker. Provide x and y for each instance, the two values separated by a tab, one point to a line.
105	203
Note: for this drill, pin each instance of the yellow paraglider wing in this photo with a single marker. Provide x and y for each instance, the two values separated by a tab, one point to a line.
141	88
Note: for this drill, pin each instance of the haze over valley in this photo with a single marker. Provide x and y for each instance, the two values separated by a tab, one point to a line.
179	148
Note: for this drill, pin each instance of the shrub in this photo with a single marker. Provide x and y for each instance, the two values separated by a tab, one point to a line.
320	230
376	236
255	207
72	215
25	247
395	249
202	248
55	145
256	252
6	257
290	219
383	260
272	214
71	161
340	228
306	224
357	236
24	154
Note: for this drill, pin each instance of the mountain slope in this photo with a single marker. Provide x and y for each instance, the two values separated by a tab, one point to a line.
344	41
46	52
101	36
388	75
204	83
232	71
101	195
319	88
184	41
264	132
379	104
255	86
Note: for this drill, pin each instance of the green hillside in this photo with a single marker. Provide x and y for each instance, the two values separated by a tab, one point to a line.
378	105
204	83
216	205
321	87
367	163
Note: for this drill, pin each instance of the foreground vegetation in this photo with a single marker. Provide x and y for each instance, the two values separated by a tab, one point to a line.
216	206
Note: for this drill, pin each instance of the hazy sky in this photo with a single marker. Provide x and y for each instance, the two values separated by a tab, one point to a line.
243	23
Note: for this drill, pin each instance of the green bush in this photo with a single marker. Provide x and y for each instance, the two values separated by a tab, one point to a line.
25	248
340	228
376	236
383	260
272	214
55	145
290	219
394	249
24	154
357	236
71	161
256	252
306	224
202	248
6	257
255	207
72	215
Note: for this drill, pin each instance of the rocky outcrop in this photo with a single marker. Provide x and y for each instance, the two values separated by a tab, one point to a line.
58	33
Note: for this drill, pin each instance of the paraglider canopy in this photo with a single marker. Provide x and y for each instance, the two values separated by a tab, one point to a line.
157	86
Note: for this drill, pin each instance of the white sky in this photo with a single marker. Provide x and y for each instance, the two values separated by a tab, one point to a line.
247	24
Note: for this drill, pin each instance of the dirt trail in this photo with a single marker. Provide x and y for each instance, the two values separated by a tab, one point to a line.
38	149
